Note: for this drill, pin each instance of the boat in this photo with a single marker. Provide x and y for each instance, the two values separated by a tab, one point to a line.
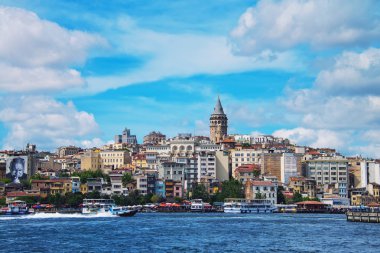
105	206
235	205
197	205
97	206
16	207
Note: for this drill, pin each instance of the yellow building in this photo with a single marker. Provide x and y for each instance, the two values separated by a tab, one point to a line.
139	161
114	159
90	160
84	188
52	186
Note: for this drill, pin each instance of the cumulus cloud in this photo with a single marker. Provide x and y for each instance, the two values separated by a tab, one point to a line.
280	25
46	122
342	107
321	138
37	54
353	74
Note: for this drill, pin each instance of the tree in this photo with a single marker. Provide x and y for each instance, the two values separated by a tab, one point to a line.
230	189
2	201
155	198
259	195
256	173
280	195
74	199
6	180
297	197
93	195
127	178
29	199
200	192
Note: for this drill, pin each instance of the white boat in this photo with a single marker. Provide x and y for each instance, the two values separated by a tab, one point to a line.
197	205
248	206
97	206
16	207
104	206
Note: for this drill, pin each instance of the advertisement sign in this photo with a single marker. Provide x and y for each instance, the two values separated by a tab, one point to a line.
17	168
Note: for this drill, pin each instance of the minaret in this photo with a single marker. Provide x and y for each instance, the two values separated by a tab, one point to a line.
218	123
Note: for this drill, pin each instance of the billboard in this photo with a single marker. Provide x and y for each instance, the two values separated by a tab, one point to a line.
17	168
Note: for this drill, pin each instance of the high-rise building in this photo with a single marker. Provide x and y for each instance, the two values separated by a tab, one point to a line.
218	123
126	137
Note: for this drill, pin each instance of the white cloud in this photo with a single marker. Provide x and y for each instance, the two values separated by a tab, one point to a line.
46	122
353	73
280	25
182	55
37	54
321	138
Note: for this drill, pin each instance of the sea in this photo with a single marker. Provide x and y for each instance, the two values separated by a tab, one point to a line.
187	232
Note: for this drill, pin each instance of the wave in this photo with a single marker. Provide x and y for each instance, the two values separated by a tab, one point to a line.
57	215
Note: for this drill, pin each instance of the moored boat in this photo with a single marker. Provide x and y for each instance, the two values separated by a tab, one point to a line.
236	205
16	207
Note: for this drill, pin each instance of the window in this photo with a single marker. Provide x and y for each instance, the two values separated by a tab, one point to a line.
168	172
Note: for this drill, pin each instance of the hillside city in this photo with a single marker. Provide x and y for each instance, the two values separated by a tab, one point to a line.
187	167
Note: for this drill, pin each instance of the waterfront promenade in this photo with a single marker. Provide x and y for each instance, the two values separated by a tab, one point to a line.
189	232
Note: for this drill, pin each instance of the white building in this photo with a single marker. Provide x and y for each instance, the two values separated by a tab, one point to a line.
289	166
329	171
255	189
369	172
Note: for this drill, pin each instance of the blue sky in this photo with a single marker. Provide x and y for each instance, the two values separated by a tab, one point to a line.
75	72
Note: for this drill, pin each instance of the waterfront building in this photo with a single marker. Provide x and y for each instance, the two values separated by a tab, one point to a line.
241	156
117	183
52	186
369	172
223	171
141	183
172	170
169	189
355	170
95	184
256	189
75	184
178	189
159	188
302	185
329	171
126	137
245	172
282	165
218	123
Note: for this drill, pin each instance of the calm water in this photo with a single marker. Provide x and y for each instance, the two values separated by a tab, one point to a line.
188	232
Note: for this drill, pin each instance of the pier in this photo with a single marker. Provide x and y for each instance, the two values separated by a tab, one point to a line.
370	217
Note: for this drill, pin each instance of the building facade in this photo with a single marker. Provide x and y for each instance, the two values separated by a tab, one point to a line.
218	123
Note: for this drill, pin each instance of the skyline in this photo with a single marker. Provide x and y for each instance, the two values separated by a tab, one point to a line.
310	74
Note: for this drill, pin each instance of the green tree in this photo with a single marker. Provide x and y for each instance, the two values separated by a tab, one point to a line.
230	189
256	173
29	199
297	197
5	180
127	178
155	198
2	201
38	176
280	196
93	195
259	195
200	192
73	199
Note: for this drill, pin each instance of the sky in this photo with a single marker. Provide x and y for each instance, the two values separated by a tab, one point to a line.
79	72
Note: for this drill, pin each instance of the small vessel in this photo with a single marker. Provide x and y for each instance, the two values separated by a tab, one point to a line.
235	205
97	206
104	206
197	205
16	207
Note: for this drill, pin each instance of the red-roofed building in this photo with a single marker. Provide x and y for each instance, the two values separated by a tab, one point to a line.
257	189
246	172
11	196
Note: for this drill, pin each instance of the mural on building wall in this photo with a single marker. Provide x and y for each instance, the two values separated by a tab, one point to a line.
17	168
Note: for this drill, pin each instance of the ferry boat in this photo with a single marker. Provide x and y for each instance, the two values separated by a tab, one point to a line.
197	205
96	206
235	205
16	207
99	206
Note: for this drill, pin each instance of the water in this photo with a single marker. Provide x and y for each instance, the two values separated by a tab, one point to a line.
187	232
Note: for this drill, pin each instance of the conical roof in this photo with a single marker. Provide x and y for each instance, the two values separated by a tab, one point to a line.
218	109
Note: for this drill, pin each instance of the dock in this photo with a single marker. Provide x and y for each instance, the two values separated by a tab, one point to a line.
369	217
